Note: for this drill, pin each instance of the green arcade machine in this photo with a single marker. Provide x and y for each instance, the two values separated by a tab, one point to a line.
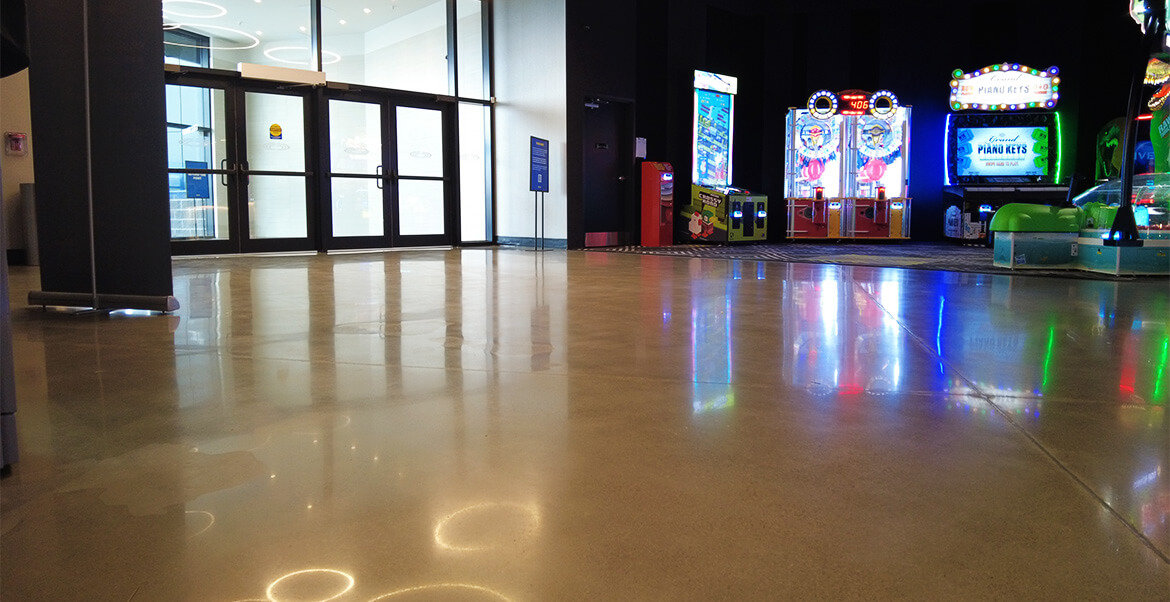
1121	226
716	211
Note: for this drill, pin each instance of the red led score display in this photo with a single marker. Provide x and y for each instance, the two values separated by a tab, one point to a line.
854	102
823	104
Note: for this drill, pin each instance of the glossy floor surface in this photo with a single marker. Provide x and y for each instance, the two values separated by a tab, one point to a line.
500	424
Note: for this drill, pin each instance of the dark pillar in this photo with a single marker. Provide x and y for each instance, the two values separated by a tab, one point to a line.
131	265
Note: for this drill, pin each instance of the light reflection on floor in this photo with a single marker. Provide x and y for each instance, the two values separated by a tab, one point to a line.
507	425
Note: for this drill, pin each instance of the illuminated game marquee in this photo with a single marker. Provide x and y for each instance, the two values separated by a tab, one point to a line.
1005	87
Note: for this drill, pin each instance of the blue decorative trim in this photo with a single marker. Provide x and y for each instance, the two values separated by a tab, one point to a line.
528	241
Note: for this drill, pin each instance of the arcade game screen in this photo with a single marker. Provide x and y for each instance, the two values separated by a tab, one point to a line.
880	162
1002	151
712	138
818	161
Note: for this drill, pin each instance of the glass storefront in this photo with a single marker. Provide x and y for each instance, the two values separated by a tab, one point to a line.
385	46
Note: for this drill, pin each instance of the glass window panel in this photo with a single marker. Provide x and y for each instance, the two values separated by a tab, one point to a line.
420	142
196	140
357	207
276	207
399	44
276	132
420	207
223	33
470	48
473	197
355	137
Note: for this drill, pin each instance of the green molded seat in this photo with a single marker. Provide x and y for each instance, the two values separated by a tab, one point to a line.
1026	217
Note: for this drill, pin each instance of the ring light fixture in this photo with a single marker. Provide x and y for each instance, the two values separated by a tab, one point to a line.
252	41
167	10
328	57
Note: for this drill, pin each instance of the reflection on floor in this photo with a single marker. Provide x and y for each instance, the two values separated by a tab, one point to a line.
506	425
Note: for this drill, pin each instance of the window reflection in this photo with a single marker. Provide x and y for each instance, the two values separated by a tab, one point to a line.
400	45
221	34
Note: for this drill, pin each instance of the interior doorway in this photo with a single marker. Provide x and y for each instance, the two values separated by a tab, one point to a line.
610	214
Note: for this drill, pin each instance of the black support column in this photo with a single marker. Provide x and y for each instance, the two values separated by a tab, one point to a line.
130	219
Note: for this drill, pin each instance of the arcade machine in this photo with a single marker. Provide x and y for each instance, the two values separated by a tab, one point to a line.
657	204
814	181
847	166
1003	140
879	174
718	212
1123	225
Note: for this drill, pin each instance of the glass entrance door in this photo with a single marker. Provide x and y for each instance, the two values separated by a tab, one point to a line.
237	169
390	178
357	215
201	162
273	172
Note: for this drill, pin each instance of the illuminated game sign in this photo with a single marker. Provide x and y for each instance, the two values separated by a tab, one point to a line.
824	104
1005	87
713	129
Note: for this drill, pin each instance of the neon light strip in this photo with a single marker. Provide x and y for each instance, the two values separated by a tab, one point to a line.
1059	146
947	151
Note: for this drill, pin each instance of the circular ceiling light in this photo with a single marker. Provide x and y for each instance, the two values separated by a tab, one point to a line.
250	40
327	57
209	10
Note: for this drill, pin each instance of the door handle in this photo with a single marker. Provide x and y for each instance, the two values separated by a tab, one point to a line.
223	176
378	170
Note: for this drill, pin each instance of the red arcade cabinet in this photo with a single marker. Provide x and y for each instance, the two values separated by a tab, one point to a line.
657	204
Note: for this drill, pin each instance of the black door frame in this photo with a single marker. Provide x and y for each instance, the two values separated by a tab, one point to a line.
390	177
234	172
318	208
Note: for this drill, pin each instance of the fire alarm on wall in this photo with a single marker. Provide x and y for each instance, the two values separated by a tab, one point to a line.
15	143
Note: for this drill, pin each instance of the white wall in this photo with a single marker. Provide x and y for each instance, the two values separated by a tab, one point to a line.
15	117
530	93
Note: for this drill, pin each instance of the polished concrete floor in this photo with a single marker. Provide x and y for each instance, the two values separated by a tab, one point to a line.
506	425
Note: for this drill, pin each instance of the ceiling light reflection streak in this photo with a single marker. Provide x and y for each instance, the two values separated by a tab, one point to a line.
530	511
465	586
269	592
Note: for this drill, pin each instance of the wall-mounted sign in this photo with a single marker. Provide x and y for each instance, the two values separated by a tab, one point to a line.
15	143
882	104
1005	87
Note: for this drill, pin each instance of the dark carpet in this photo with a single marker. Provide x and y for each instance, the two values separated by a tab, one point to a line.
913	255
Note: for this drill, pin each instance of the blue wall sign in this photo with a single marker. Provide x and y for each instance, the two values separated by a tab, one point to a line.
198	186
539	165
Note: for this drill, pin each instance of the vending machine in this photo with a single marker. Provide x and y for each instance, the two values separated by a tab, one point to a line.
657	204
716	211
848	166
